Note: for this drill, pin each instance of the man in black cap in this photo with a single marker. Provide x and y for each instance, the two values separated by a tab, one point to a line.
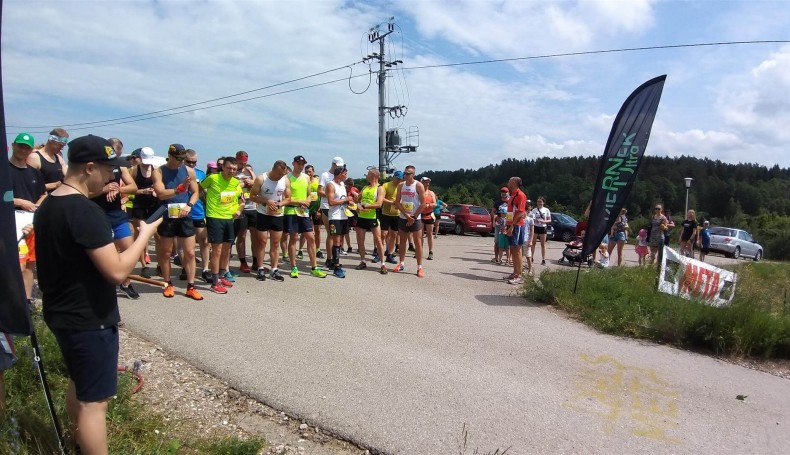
78	269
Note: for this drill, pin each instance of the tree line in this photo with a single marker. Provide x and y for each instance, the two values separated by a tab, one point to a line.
745	196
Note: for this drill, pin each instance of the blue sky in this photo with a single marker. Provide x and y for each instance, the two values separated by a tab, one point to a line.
68	62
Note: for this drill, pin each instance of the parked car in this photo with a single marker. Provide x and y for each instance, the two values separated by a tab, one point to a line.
467	218
446	222
564	226
734	243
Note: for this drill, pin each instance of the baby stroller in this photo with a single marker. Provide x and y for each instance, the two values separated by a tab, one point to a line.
573	253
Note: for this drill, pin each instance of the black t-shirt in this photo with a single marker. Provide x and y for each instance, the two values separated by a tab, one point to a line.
688	229
76	295
27	183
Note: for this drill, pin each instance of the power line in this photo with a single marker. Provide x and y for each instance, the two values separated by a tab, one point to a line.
168	112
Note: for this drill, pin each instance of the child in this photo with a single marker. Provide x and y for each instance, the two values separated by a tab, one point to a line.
529	240
642	247
703	241
501	237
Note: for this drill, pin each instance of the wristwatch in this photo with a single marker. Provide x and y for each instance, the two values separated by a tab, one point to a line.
190	205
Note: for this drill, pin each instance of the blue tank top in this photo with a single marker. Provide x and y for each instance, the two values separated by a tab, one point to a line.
171	179
198	211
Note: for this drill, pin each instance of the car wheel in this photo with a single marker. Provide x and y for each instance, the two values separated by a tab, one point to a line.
459	229
566	236
484	234
737	253
758	256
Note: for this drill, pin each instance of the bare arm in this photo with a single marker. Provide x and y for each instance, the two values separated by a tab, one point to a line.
379	200
255	191
114	266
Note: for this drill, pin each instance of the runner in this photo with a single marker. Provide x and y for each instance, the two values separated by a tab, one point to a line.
353	193
176	187
529	239
297	218
428	218
437	213
223	192
109	199
410	200
390	215
327	177
198	215
145	201
246	222
315	213
516	212
338	216
49	160
370	199
270	190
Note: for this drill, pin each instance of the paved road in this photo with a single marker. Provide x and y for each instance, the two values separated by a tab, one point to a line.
400	365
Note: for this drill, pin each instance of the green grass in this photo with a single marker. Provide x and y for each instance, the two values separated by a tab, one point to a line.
625	301
132	427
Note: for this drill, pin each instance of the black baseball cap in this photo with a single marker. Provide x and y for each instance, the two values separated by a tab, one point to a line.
176	149
299	159
94	149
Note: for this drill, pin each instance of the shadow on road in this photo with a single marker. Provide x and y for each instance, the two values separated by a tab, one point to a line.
469	276
506	300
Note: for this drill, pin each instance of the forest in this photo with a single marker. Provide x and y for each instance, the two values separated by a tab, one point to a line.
746	196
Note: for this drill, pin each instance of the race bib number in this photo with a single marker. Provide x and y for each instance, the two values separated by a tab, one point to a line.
408	206
348	212
246	195
301	212
352	206
509	217
227	197
275	212
174	210
314	196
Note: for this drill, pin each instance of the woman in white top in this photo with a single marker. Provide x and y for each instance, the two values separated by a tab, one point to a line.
542	217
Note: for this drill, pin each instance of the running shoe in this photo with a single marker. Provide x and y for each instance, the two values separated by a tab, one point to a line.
328	263
177	260
147	258
420	273
319	254
182	275
391	259
317	272
339	272
434	236
218	288
228	276
299	255
225	283
130	292
430	255
543	262
343	252
383	270
261	276
398	268
294	272
510	277
234	273
376	259
361	266
169	291
159	270
145	272
411	247
349	249
206	275
285	256
516	280
275	275
194	294
244	267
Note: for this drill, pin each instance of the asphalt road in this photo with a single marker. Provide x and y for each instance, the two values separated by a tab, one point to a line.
402	365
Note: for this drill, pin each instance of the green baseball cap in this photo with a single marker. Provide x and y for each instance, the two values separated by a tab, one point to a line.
24	138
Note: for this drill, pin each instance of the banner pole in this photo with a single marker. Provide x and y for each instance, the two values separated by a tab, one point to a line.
578	271
43	376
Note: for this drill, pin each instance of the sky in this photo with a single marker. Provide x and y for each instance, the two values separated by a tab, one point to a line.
78	64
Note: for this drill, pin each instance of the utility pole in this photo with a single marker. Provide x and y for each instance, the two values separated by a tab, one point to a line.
373	36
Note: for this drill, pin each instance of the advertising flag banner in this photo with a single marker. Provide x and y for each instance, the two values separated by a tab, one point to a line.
621	159
695	280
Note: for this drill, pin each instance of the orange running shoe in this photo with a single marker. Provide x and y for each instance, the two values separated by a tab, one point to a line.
420	273
193	293
169	291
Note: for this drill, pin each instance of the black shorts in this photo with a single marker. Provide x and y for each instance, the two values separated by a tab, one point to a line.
325	213
415	227
296	223
91	358
176	227
389	222
220	230
705	250
200	223
427	219
247	220
269	223
316	216
367	223
338	227
139	213
540	229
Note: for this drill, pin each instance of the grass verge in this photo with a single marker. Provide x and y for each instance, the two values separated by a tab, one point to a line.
132	427
625	301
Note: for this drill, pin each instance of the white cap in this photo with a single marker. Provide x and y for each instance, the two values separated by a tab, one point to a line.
337	161
147	155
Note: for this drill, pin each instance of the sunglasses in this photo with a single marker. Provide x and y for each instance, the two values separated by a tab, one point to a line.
190	161
58	139
178	157
408	173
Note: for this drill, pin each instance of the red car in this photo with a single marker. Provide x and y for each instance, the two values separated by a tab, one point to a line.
463	218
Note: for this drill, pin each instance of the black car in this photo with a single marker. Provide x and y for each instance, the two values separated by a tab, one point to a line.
564	226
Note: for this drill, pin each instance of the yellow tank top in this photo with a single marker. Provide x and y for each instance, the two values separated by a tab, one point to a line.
390	191
368	197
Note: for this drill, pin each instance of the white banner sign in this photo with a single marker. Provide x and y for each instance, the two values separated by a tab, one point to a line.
695	280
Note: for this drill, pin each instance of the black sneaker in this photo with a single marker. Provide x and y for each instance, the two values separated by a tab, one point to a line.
362	266
348	250
159	270
145	273
411	247
130	292
275	275
183	274
207	277
319	254
261	276
430	255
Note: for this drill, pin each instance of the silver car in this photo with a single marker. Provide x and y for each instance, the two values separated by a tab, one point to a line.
734	243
